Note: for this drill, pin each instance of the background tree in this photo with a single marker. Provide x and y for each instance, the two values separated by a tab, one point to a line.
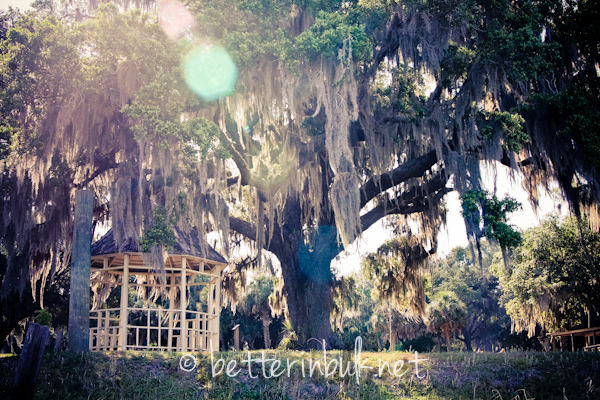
94	105
397	271
256	301
478	289
352	312
553	281
250	328
446	315
393	324
332	113
481	209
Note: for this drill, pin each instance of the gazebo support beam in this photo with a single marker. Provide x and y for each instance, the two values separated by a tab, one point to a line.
124	303
217	310
183	306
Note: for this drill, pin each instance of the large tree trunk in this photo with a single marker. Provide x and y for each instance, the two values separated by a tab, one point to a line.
307	276
306	268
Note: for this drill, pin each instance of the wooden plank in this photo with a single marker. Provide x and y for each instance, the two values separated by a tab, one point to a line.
29	362
119	267
117	271
575	332
152	285
170	334
204	330
148	329
218	309
124	303
113	339
106	324
79	297
209	324
183	300
236	337
105	282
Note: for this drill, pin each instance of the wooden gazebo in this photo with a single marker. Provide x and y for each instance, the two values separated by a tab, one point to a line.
589	334
173	328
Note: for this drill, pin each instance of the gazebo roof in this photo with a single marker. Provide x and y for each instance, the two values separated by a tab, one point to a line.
183	246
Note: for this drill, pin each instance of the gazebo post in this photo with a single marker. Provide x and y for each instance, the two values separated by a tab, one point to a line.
170	334
183	306
106	322
209	316
216	320
124	302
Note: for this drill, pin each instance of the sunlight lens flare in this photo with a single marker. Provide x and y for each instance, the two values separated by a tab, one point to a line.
174	18
210	72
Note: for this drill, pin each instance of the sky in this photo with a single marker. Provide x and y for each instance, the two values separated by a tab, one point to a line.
454	234
22	5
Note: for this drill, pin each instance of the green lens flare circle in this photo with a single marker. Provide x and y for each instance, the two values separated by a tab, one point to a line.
210	72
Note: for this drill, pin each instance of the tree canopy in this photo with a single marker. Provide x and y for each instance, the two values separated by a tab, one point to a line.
553	281
341	113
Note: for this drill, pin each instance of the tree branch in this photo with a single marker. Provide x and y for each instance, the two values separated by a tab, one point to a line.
410	169
242	227
398	119
389	45
409	203
248	230
103	164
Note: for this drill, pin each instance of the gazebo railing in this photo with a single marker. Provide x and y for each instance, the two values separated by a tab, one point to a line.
104	329
152	329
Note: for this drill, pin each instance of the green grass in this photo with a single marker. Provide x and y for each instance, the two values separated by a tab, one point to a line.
155	375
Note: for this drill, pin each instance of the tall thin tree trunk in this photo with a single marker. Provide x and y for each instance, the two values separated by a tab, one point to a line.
467	335
266	322
390	326
392	333
79	290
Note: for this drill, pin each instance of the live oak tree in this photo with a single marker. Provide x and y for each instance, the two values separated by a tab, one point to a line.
96	105
343	113
473	284
553	281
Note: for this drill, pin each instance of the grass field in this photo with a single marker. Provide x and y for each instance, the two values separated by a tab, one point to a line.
156	375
